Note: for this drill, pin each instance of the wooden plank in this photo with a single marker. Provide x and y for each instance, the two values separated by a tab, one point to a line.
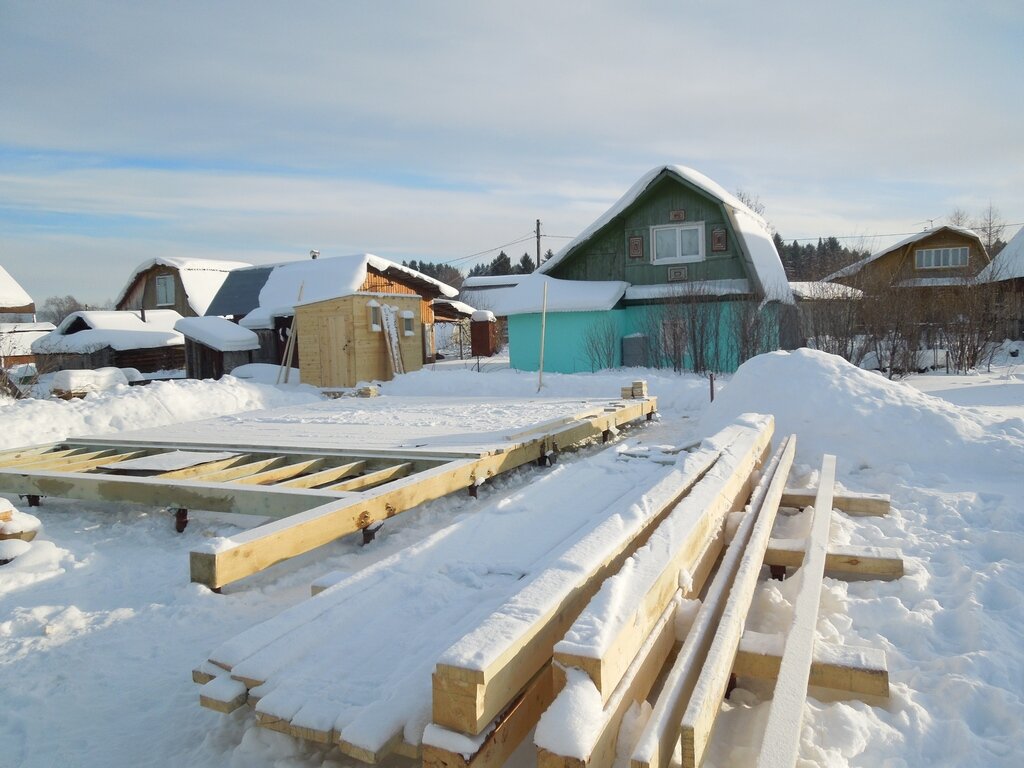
379	477
512	727
325	476
47	463
634	686
222	694
736	575
869	504
696	555
876	562
781	742
466	700
261	547
237	471
13	454
271	476
90	464
30	456
840	668
201	469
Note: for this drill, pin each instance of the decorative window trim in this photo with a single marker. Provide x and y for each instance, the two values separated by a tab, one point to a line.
953	257
164	284
679	258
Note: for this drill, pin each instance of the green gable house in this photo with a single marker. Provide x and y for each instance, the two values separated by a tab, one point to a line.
678	273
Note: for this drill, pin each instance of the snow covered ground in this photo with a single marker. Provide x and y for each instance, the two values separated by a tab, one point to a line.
100	628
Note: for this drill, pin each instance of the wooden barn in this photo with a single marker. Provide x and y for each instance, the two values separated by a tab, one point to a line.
265	300
215	346
361	337
94	339
185	285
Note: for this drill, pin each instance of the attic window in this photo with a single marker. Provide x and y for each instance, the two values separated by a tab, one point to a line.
165	290
677	244
941	258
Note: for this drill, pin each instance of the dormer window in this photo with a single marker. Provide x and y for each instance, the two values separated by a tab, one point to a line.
677	244
941	258
165	290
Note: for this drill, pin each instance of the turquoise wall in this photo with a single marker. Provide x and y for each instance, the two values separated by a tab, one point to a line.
564	340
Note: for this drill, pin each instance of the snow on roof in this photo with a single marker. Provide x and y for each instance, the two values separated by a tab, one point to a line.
857	266
690	288
201	278
117	330
492	281
562	296
821	290
218	333
460	307
320	280
1008	263
752	229
11	294
16	338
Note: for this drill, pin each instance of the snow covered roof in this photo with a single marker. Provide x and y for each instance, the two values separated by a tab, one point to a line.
92	330
320	280
12	295
809	291
857	266
563	296
201	278
448	307
1008	263
16	338
752	230
218	333
491	281
732	287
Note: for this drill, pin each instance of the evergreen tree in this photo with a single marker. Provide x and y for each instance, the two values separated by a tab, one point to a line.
525	265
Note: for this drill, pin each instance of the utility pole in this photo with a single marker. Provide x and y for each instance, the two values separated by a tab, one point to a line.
538	242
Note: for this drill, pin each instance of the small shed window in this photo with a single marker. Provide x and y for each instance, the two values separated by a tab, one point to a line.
165	290
677	244
374	315
941	258
407	318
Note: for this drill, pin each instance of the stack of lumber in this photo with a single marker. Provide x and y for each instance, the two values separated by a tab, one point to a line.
637	389
352	666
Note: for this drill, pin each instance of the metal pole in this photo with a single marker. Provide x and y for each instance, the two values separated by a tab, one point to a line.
543	322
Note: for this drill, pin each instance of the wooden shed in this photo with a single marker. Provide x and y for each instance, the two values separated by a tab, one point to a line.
360	337
215	346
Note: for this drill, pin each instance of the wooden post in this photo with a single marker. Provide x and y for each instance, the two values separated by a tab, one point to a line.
543	322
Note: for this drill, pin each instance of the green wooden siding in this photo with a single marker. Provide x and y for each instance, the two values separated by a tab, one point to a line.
605	255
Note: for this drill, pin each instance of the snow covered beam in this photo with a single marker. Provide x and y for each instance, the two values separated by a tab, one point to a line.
870	562
868	504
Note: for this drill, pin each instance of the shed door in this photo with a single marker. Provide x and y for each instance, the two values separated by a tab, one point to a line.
335	339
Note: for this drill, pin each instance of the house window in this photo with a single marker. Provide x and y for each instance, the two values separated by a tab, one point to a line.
165	290
941	258
374	316
677	244
407	327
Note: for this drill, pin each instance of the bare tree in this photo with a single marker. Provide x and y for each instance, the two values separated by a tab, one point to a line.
831	321
753	327
990	227
892	318
56	308
600	342
958	217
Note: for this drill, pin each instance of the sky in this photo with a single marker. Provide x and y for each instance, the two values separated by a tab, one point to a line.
441	131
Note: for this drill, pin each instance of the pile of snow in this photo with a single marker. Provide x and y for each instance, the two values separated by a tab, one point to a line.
99	380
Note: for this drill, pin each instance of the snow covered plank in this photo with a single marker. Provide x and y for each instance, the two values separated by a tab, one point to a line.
478	676
868	504
840	668
605	638
874	562
561	745
781	741
254	550
447	749
222	694
736	574
205	467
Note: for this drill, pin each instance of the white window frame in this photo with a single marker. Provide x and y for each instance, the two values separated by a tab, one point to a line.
376	318
679	258
164	280
407	324
933	258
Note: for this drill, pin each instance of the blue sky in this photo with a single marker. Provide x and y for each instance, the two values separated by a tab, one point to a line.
258	131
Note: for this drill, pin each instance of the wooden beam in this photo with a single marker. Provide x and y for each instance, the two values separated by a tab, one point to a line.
47	463
512	727
222	694
271	476
31	456
840	668
90	464
869	504
875	562
467	699
201	469
729	595
325	476
781	742
379	477
634	686
697	549
237	471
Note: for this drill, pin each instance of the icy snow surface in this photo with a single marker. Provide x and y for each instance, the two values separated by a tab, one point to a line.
99	627
12	294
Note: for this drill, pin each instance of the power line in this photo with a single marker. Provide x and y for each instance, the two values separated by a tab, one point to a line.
864	237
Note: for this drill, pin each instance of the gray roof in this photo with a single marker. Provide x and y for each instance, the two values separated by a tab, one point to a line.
240	292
